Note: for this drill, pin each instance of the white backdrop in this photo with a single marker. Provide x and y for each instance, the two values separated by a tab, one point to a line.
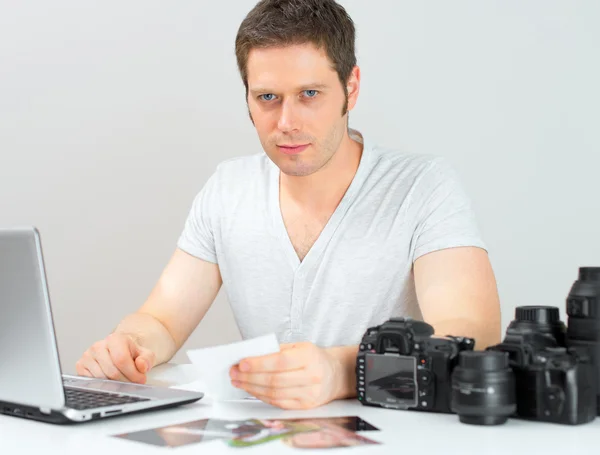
114	113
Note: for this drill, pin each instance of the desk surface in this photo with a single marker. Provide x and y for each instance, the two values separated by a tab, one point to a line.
432	433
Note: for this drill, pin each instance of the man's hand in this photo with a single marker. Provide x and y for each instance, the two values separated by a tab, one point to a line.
117	357
300	376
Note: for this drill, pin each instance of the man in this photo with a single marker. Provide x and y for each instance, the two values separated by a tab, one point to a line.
317	239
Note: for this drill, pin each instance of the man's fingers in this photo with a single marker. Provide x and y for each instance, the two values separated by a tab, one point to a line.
286	346
142	364
306	397
271	393
106	365
289	359
87	373
81	369
92	366
292	378
283	403
121	356
144	359
118	357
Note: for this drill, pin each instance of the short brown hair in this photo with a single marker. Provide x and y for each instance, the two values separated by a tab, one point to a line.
274	23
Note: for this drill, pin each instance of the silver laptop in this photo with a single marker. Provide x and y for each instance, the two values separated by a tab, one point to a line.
31	382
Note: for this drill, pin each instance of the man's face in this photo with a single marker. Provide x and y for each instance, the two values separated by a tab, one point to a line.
296	99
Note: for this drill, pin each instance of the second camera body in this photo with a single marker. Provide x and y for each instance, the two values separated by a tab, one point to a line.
553	383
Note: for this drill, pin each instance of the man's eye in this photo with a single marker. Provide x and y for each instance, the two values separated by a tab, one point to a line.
310	93
267	97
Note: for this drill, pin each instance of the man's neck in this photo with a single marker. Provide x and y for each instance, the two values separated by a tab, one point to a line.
325	188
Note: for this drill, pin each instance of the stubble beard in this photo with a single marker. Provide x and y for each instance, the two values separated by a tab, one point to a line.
297	166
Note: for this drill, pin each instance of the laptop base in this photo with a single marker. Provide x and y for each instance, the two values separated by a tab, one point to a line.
55	417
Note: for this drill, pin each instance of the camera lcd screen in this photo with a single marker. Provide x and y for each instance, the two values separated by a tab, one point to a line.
391	380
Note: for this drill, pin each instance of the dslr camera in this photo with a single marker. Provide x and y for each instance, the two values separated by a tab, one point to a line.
583	319
401	365
554	383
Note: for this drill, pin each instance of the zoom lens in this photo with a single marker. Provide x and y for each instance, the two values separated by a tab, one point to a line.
583	323
483	388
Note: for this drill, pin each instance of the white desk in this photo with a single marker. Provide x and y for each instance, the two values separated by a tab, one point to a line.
400	431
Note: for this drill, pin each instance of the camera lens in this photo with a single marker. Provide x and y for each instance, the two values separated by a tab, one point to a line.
540	319
583	323
483	388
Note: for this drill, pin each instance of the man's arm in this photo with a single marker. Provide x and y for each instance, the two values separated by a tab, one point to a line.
182	296
457	293
154	333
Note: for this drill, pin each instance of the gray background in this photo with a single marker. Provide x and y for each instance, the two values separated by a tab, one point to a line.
114	113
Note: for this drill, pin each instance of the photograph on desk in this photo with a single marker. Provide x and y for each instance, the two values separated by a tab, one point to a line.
194	432
352	423
327	435
309	433
316	432
270	430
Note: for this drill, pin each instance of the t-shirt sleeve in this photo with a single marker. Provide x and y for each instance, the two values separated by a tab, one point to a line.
444	213
198	235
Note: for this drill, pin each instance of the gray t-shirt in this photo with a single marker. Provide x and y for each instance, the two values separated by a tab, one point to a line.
358	273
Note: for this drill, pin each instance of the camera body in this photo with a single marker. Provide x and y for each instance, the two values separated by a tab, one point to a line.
557	386
553	383
583	312
401	365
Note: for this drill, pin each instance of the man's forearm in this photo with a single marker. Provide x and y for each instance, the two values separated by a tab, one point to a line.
345	357
150	333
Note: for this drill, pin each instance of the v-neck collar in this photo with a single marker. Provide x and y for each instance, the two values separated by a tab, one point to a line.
333	223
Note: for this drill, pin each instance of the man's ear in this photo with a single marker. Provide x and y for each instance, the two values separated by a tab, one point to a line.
353	87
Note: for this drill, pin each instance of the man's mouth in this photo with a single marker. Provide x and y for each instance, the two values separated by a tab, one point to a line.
291	149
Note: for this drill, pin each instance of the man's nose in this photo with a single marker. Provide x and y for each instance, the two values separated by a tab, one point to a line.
288	117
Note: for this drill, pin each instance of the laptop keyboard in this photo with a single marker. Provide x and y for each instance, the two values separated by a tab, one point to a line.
87	399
